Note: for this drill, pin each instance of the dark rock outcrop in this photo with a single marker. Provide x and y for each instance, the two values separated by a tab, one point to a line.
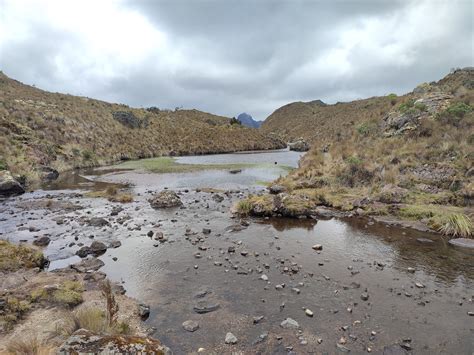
129	119
8	185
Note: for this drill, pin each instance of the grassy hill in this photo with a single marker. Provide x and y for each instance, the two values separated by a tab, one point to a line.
407	157
39	128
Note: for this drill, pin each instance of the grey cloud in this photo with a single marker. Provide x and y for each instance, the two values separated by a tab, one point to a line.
255	56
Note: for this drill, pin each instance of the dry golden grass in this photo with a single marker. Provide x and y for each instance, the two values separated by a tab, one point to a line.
29	345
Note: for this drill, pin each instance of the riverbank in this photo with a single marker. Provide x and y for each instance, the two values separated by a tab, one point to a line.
41	310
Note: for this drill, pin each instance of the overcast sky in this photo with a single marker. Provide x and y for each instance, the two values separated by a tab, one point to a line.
227	57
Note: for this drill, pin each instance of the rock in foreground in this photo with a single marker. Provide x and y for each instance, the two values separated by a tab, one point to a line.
462	242
8	185
84	341
165	199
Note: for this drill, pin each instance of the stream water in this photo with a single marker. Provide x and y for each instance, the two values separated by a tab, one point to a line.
371	286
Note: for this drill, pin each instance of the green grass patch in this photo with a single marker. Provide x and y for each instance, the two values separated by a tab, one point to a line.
170	165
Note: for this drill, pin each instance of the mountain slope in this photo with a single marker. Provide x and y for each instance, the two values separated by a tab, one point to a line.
409	158
38	128
247	120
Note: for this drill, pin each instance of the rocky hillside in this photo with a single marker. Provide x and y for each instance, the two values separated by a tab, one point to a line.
407	157
247	120
40	129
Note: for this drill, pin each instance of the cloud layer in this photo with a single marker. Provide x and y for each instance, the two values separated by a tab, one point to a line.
231	56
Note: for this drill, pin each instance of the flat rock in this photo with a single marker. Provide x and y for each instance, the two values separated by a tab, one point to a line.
289	323
190	325
462	242
41	241
88	265
98	222
85	342
206	307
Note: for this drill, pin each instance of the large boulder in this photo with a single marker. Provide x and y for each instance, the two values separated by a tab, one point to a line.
86	342
299	145
48	173
8	185
165	199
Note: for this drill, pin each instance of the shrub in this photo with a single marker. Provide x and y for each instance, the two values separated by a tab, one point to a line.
421	106
366	128
458	109
3	165
406	106
87	155
458	225
393	98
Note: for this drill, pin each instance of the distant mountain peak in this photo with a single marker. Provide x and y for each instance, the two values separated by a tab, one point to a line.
247	120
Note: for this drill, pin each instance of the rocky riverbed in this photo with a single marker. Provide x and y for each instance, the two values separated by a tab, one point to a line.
220	284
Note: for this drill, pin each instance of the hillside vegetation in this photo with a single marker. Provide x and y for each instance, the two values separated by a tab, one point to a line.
410	157
39	128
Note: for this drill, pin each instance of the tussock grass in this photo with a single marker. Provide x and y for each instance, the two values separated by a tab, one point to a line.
14	257
28	345
458	225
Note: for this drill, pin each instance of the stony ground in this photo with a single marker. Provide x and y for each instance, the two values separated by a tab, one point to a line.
222	284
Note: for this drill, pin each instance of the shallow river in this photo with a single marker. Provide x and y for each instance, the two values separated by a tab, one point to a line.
371	286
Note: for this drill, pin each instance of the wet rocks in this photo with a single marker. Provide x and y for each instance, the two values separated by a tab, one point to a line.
115	244
88	265
96	249
230	338
83	252
98	222
218	198
190	326
235	171
424	241
205	307
143	311
289	323
165	199
462	242
84	341
48	173
8	185
42	241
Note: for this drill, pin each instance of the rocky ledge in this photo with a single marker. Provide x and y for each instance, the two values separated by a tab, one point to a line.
87	342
